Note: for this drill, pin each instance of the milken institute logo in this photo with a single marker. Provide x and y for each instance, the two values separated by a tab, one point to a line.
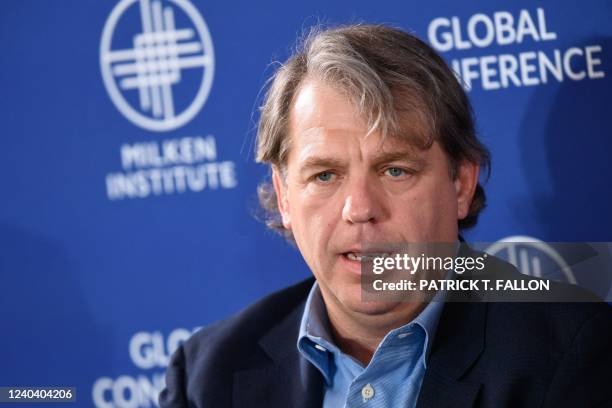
142	80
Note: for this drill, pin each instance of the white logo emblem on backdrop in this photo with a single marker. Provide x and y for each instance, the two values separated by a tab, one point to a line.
528	254
142	79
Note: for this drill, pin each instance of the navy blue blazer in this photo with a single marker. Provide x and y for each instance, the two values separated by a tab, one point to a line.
483	355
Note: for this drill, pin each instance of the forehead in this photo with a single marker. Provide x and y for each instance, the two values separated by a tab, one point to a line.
317	104
324	116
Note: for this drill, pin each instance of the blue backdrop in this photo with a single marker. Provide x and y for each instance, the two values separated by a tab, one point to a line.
127	174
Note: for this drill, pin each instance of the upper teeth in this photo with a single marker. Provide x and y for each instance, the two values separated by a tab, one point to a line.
363	257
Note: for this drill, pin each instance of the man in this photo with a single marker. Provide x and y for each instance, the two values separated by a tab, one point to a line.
371	142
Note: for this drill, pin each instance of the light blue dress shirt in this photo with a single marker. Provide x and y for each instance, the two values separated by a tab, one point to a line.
394	375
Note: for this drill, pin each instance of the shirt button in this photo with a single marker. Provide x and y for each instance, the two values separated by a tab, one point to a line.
367	392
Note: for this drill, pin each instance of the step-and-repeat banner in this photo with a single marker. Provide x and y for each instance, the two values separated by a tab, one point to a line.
129	186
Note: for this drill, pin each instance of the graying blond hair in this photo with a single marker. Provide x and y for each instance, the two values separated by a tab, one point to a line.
394	79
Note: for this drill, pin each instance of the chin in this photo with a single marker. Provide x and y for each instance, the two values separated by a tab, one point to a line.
374	308
352	301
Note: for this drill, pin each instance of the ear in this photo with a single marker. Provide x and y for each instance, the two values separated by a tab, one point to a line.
281	197
465	185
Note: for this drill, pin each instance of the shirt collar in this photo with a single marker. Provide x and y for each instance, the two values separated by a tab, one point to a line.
428	319
314	338
314	319
315	330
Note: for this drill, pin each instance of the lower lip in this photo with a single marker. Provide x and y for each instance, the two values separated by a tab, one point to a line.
353	266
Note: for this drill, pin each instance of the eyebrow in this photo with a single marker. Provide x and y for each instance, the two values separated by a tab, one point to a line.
321	162
401	155
313	162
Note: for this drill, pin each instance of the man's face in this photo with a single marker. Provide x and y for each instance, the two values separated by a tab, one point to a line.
345	192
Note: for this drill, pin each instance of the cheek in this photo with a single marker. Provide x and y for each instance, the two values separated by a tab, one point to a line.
427	213
318	206
312	219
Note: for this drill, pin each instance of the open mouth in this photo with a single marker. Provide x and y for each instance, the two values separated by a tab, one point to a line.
364	257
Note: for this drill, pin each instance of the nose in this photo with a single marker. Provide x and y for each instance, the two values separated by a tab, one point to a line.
362	203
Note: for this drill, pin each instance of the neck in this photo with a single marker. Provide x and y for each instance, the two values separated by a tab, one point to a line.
359	334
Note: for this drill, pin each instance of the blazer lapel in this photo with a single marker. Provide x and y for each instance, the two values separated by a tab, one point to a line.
283	378
458	344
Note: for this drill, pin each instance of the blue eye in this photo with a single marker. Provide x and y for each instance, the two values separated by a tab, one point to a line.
395	171
324	176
